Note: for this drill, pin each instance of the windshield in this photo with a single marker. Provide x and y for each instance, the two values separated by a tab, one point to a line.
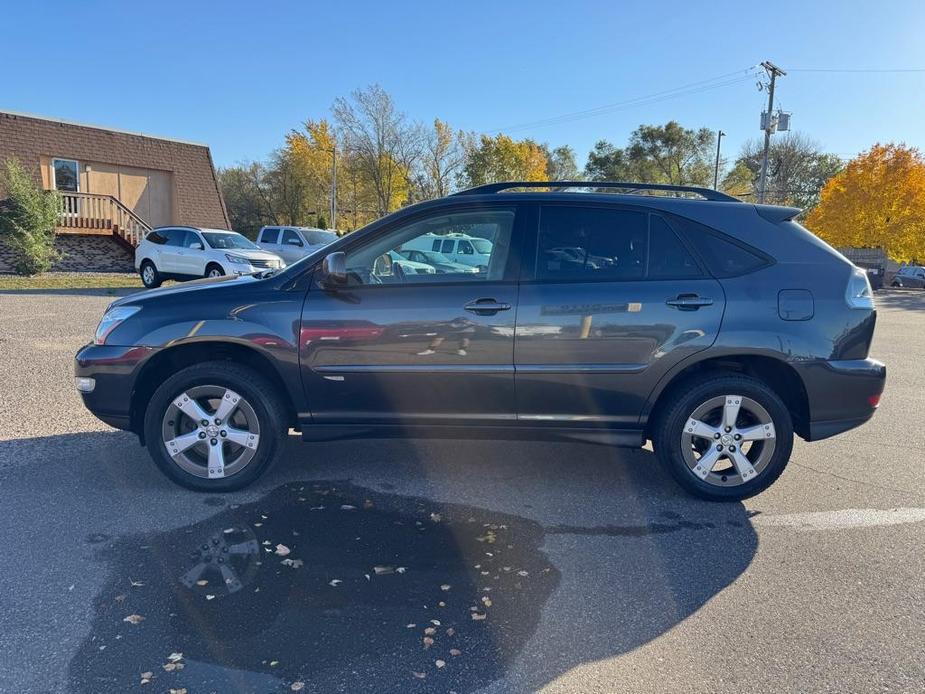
482	245
316	236
227	239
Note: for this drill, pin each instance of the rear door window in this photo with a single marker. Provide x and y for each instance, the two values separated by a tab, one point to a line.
591	244
174	237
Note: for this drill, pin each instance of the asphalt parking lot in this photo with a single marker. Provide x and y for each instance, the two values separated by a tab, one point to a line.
451	565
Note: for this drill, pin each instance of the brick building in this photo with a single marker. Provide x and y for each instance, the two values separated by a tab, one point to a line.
114	185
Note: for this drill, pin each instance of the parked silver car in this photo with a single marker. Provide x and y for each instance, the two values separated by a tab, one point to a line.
910	276
293	243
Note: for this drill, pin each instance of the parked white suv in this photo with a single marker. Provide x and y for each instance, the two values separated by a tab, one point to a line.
182	253
459	248
294	243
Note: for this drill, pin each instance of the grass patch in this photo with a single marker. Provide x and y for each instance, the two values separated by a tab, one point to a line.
67	280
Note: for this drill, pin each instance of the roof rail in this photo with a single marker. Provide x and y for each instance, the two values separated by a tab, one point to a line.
706	193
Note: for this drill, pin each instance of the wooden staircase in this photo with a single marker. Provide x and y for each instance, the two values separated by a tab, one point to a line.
91	213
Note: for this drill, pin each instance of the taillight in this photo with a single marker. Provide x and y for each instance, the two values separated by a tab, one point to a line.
858	293
874	400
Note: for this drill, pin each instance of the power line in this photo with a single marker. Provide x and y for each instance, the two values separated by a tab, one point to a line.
725	80
853	70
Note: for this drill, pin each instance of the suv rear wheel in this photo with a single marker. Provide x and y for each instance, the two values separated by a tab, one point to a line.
214	426
725	437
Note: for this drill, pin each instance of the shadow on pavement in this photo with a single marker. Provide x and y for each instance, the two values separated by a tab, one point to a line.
337	585
907	299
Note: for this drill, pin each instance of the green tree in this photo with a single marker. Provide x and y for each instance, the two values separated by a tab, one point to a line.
28	217
674	154
561	164
499	158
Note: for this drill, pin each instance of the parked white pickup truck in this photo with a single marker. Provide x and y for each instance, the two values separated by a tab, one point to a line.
293	243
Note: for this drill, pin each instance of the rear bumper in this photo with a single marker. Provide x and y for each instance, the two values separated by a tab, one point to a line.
842	394
113	370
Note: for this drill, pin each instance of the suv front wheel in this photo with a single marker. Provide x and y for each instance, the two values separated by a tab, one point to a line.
725	437
150	277
214	426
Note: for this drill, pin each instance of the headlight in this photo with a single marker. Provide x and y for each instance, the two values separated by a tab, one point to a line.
237	259
111	320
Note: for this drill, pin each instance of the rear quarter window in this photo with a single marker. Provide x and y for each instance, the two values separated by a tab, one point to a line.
722	255
269	236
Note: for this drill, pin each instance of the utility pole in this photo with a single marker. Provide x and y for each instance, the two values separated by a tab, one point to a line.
773	71
719	140
333	152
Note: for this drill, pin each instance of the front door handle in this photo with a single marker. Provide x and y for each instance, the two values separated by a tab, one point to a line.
689	302
486	307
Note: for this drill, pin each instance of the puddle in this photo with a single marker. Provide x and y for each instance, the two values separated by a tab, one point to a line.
367	589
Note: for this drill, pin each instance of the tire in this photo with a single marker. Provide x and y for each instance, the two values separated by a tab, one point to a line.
214	270
896	285
150	277
689	426
246	441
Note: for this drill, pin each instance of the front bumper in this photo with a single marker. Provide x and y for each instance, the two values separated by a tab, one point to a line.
842	394
113	370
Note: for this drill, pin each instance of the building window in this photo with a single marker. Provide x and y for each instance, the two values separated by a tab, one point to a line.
66	175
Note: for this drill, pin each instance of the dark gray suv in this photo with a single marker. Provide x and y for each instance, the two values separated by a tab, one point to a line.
607	312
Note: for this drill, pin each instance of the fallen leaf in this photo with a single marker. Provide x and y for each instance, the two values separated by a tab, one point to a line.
175	657
294	563
274	663
486	601
455	652
419	675
134	619
335	582
202	582
436	517
428	642
282	550
478	616
441	604
257	525
347	507
297	686
382	570
410	626
400	569
523	573
120	598
210	597
445	587
439	663
136	584
450	631
430	631
435	622
181	690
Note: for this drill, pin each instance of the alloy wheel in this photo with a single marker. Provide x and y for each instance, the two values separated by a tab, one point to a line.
728	440
210	431
148	274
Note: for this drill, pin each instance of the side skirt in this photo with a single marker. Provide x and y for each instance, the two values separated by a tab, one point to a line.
630	438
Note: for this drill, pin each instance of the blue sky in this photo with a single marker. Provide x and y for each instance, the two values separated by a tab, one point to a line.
239	75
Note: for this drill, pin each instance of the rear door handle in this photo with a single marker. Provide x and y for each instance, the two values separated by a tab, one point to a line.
486	307
689	302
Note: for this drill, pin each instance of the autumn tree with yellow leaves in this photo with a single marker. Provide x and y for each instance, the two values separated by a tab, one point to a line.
876	201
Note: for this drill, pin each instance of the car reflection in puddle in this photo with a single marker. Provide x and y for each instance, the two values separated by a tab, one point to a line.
319	586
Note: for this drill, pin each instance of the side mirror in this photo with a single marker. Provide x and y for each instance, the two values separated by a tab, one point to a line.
196	246
334	268
383	266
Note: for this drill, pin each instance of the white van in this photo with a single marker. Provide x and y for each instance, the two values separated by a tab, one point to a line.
459	248
293	243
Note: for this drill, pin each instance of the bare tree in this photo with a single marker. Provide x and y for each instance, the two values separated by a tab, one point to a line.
382	141
443	156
